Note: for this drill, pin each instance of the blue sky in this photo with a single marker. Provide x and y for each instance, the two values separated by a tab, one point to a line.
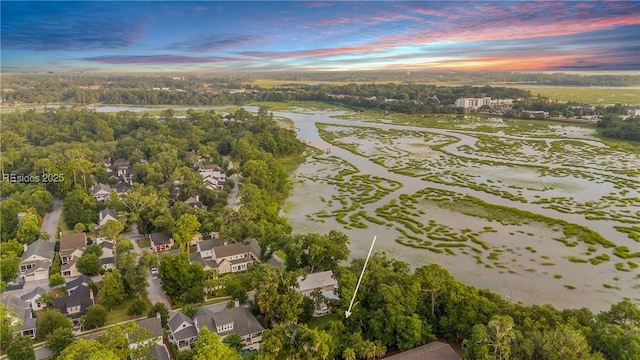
318	36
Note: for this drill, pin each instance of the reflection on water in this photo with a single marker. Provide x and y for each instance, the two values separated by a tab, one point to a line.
528	275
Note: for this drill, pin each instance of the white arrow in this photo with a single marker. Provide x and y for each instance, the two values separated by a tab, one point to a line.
348	312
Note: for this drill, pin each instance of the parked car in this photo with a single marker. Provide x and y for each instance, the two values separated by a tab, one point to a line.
154	271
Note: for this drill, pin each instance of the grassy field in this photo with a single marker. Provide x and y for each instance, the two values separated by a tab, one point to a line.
320	322
589	95
119	312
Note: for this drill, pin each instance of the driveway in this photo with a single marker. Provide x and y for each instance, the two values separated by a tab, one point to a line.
50	222
155	292
232	199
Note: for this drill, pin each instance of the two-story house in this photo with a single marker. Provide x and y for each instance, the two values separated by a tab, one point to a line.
157	348
107	259
106	215
101	192
182	332
37	259
322	283
223	258
34	298
75	305
237	320
71	248
21	316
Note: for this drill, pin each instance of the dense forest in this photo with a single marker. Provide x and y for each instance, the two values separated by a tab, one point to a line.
397	309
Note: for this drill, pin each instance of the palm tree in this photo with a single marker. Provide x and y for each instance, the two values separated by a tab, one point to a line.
349	354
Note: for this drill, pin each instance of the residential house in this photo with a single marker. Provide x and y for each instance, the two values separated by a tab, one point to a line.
212	179
77	284
101	192
204	253
182	331
161	241
106	215
75	305
122	188
71	248
158	350
237	320
436	350
33	298
194	201
323	282
274	260
124	171
21	316
37	259
107	258
223	258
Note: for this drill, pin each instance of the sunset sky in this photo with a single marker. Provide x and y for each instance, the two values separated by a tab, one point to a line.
318	36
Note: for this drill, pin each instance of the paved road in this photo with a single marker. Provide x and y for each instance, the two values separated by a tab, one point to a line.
154	290
233	194
43	353
50	223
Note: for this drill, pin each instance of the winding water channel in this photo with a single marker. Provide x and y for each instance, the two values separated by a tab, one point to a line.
531	283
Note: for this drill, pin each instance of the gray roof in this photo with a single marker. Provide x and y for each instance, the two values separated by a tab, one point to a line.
75	283
160	238
40	247
22	310
206	245
100	187
80	297
432	351
104	213
31	294
153	324
231	250
316	280
195	256
108	260
177	319
244	323
159	352
222	318
106	244
122	187
15	303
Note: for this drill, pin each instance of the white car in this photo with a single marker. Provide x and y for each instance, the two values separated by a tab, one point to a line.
154	271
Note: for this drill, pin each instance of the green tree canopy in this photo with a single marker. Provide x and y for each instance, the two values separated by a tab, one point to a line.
210	347
21	348
49	321
59	339
111	289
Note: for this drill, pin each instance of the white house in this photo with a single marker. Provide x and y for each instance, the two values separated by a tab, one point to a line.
101	192
37	259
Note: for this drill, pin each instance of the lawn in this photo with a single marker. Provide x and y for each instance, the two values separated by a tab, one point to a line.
119	312
320	322
62	225
588	95
144	243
